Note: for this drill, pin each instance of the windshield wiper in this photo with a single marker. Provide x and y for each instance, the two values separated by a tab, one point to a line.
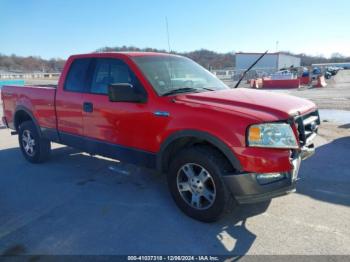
180	90
206	88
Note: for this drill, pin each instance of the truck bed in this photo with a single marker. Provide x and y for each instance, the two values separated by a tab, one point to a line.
38	99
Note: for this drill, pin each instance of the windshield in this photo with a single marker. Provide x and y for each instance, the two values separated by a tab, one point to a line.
174	74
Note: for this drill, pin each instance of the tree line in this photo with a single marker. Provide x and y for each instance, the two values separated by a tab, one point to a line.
14	63
208	59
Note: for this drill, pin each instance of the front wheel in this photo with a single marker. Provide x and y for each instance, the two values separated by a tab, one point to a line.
195	182
35	148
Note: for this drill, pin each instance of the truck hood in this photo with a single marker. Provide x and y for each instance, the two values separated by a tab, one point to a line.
262	105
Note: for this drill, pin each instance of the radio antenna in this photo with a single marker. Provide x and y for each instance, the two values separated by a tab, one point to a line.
169	51
167	33
246	71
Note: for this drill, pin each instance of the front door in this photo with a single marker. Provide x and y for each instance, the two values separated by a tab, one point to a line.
117	123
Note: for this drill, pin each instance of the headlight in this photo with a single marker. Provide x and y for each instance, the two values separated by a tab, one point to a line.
274	135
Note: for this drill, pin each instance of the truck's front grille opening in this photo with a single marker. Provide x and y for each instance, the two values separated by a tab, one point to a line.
307	127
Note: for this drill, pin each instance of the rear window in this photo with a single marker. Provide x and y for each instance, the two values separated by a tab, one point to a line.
77	78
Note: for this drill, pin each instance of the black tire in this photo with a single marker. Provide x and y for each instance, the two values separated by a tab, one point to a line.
42	147
216	165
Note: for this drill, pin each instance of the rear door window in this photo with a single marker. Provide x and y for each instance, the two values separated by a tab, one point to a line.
78	76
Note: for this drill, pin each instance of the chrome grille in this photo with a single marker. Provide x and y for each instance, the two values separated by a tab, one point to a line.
307	127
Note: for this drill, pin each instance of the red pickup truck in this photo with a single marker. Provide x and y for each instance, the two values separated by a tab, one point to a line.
215	144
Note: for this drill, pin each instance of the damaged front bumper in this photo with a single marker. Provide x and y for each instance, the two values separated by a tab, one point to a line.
257	187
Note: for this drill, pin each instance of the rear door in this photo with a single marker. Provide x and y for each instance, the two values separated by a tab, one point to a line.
69	102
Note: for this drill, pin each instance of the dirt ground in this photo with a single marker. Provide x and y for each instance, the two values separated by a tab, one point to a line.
330	131
336	95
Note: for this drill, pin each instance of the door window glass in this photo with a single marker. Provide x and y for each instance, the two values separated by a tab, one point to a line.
77	78
110	71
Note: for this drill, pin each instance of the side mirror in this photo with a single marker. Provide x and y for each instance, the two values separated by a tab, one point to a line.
125	92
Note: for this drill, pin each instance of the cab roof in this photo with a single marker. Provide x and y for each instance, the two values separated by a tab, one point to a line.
129	54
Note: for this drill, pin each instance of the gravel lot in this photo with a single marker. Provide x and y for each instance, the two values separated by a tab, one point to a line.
336	95
77	204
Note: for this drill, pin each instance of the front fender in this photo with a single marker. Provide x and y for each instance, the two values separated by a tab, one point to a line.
213	140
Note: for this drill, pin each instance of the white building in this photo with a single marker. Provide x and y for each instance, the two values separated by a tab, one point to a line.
271	61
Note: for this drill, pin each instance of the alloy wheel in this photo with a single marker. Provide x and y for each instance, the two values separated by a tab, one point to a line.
28	142
196	186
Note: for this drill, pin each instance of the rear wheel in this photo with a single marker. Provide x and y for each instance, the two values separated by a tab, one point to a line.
195	182
35	148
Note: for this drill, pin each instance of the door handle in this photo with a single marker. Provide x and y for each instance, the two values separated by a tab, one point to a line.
88	107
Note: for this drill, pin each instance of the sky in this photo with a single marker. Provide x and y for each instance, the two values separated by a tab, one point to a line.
59	28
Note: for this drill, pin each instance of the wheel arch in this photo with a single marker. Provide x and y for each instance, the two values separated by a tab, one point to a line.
186	138
23	114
